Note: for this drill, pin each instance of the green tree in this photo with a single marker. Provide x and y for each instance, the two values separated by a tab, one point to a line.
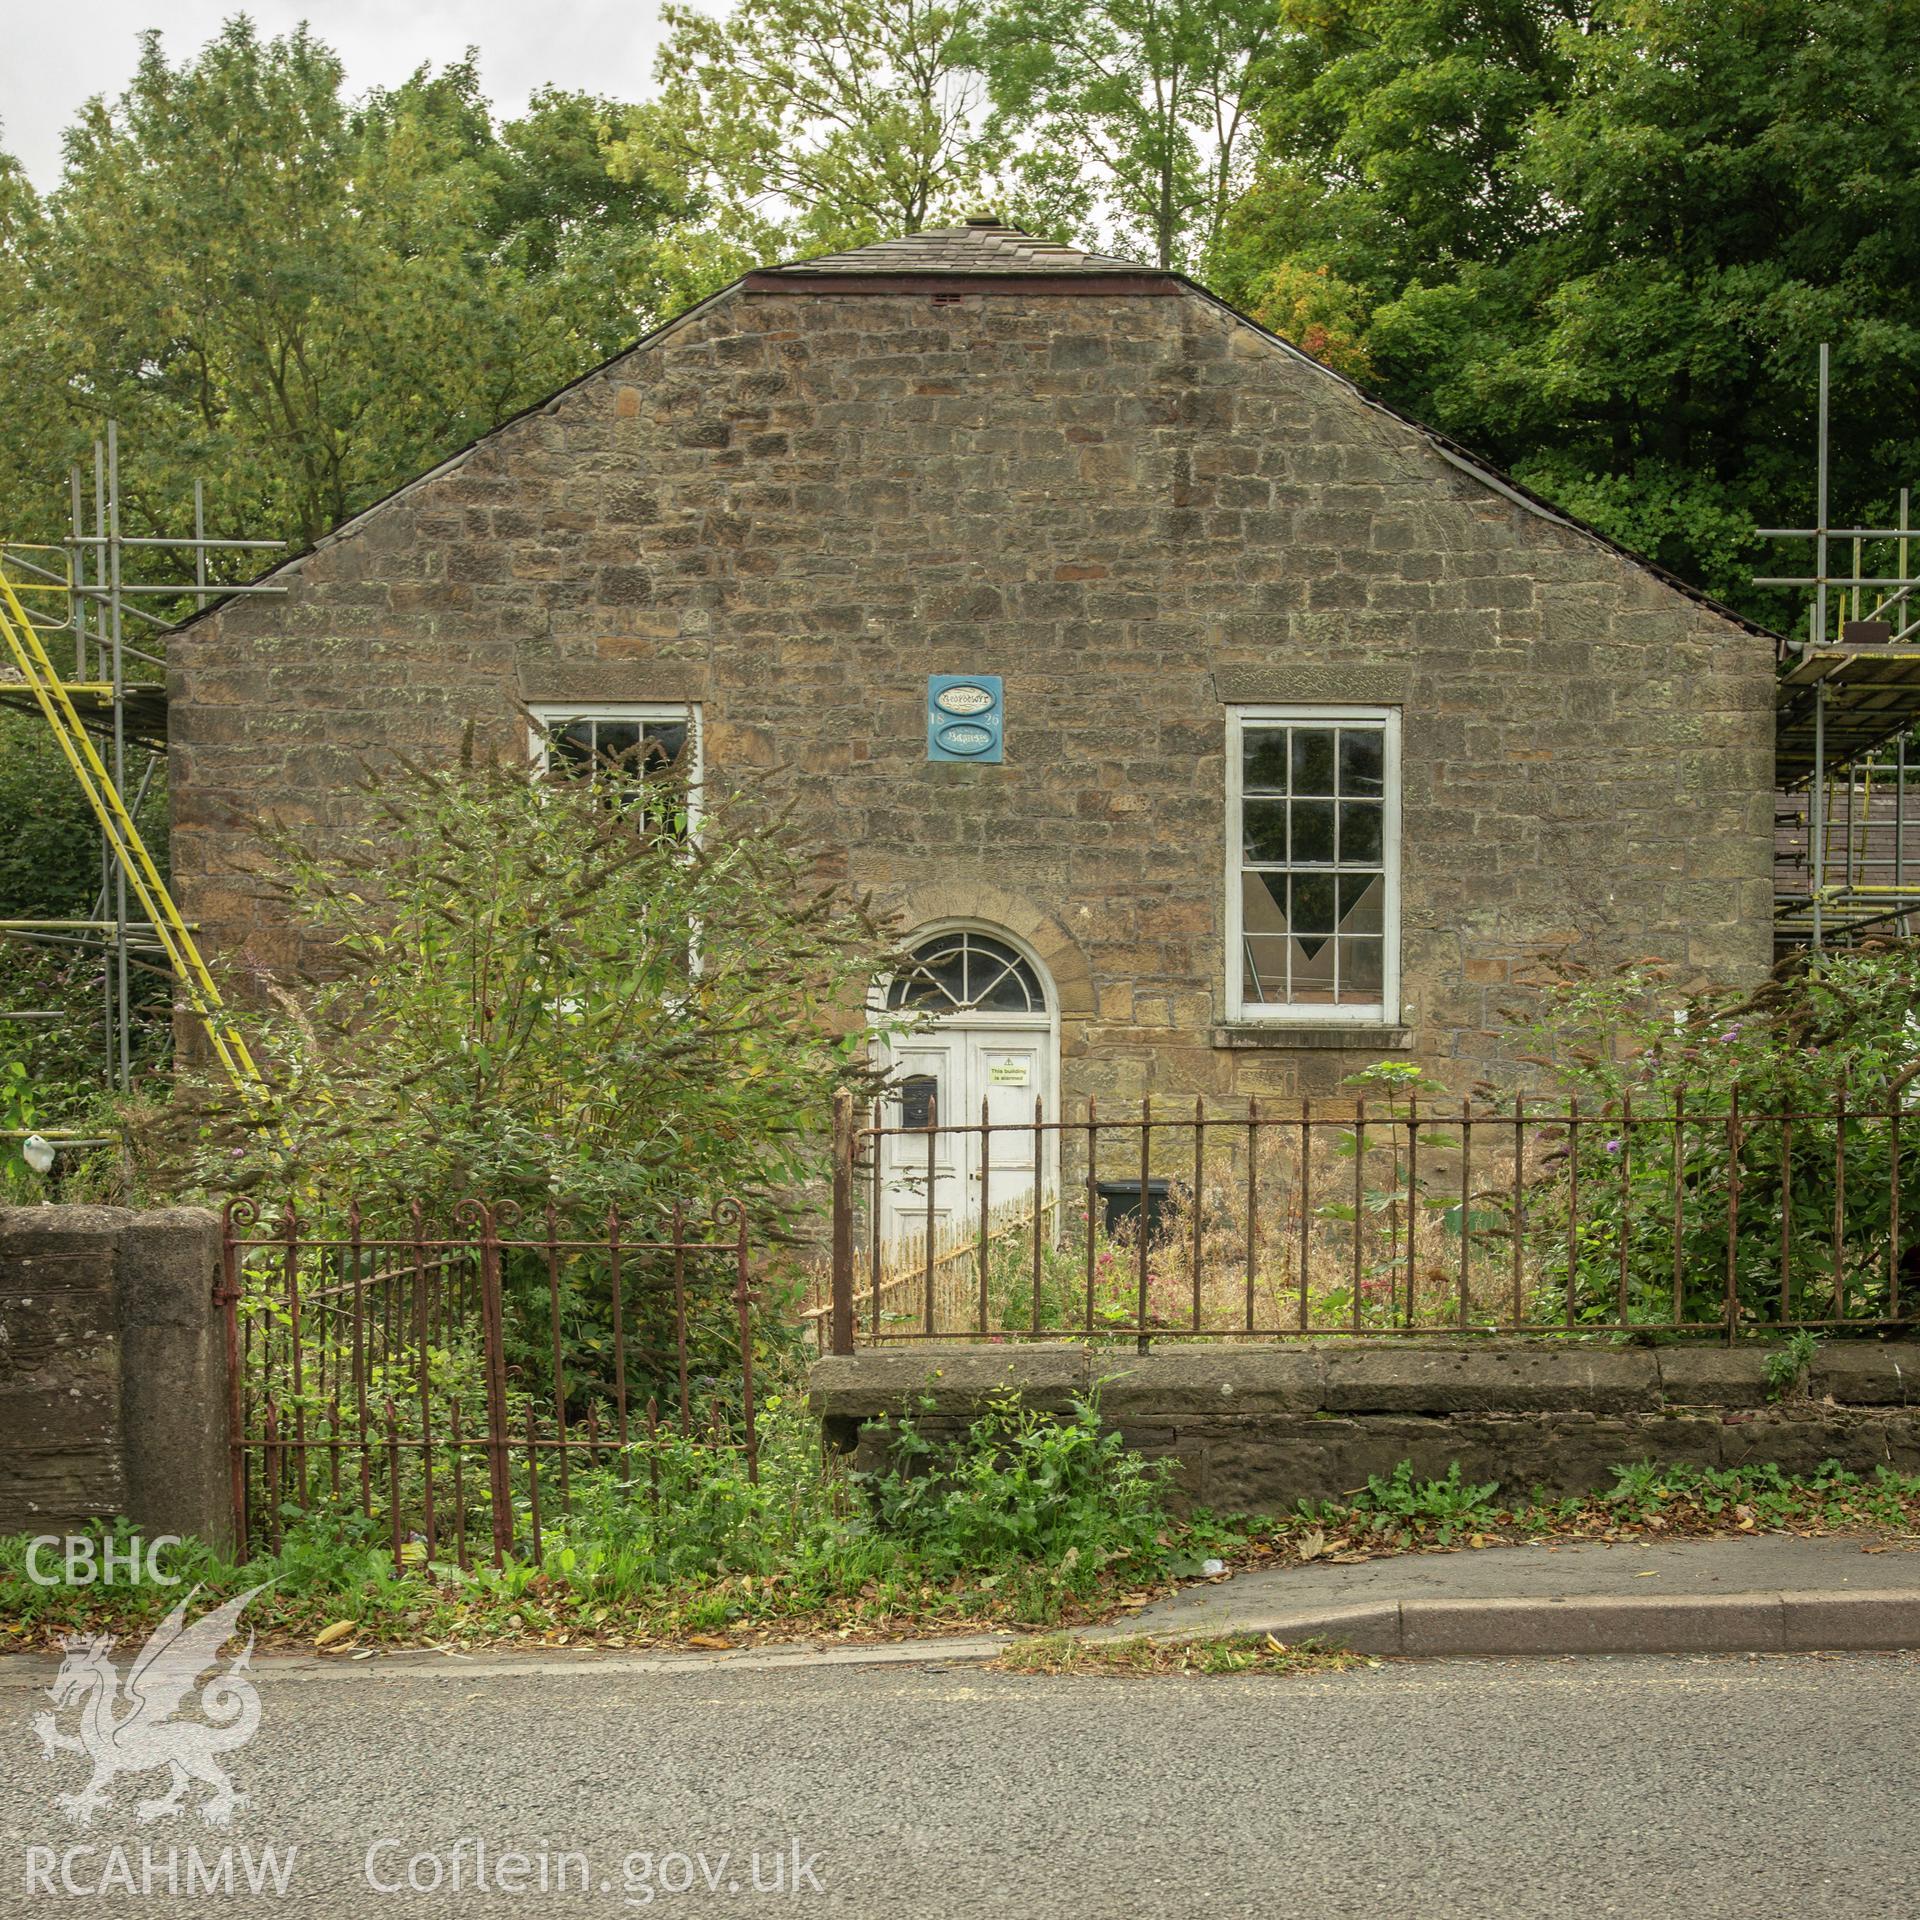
1140	104
1388	131
305	301
1319	312
817	124
1601	240
50	852
29	369
594	252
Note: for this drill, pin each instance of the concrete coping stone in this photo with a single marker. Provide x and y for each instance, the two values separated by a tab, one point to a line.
962	1379
1867	1374
1529	1379
1385	1377
1714	1376
1221	1380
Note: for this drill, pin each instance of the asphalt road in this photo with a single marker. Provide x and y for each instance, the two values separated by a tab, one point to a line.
1645	1787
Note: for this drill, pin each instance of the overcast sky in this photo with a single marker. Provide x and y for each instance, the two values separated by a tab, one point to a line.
56	56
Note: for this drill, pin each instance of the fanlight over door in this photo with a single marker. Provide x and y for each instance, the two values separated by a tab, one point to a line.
992	1042
967	972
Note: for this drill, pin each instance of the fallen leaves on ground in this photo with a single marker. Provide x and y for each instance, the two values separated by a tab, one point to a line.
1237	1653
1888	1515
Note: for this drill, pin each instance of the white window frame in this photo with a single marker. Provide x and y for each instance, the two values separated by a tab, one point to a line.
1386	1010
549	716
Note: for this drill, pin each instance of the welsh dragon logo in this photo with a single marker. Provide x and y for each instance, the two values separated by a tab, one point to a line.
140	1731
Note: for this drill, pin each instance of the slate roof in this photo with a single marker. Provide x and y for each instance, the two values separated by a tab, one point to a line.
982	246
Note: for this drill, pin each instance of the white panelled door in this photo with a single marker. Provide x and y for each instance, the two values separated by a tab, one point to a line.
993	1042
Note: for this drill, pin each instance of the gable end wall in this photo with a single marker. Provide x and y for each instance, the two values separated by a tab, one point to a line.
794	506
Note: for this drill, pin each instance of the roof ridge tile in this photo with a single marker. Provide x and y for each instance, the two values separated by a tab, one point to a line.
975	248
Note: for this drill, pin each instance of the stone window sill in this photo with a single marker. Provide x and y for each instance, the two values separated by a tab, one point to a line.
1249	1034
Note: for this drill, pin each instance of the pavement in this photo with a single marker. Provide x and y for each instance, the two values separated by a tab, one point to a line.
1715	1788
1675	1746
1769	1594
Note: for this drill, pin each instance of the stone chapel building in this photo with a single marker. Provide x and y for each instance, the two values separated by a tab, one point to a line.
1212	727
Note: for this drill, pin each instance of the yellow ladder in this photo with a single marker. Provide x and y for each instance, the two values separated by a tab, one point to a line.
54	696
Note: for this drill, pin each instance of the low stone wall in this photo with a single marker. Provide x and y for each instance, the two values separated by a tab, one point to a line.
112	1371
1254	1429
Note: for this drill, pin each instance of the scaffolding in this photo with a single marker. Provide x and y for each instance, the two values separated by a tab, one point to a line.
1847	703
94	598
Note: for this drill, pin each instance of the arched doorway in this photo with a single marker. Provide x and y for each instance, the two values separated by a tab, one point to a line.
994	1041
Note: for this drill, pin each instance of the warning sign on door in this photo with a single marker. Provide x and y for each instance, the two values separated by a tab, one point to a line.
1007	1073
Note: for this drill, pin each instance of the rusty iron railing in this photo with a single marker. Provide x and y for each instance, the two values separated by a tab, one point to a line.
451	1380
1402	1217
894	1271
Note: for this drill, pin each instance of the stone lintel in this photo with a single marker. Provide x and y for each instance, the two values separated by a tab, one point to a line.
1307	682
549	683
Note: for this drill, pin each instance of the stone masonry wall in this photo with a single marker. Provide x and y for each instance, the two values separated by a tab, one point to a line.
113	1396
792	506
1255	1429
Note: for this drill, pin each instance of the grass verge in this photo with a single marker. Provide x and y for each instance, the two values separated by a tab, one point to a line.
1024	1523
1137	1654
1648	1500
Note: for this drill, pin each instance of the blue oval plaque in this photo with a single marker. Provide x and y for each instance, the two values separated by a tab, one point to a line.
963	736
964	719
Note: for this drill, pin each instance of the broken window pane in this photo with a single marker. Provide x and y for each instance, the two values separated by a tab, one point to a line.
1264	970
1362	969
1363	898
1314	874
1313	903
1263	902
1312	978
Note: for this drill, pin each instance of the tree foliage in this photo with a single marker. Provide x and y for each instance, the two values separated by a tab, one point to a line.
303	300
816	125
1599	239
1135	108
1753	1141
1602	239
529	992
50	869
